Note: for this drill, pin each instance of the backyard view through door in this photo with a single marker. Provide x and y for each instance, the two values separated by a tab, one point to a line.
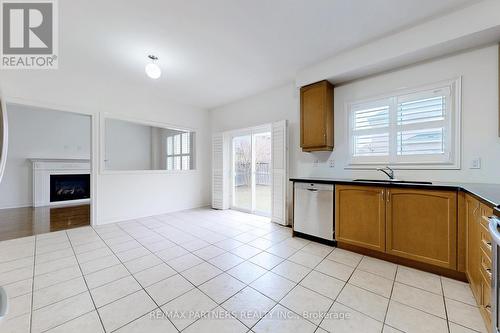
252	173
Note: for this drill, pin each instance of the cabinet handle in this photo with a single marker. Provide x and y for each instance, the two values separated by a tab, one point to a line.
382	193
488	270
388	195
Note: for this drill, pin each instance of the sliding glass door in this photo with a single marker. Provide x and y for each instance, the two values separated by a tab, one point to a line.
242	172
251	172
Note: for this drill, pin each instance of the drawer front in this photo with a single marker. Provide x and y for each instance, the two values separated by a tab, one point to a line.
485	240
485	266
485	307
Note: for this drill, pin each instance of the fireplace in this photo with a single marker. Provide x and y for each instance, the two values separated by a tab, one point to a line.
69	187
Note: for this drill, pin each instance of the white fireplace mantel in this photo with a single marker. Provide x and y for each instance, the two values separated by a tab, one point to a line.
43	168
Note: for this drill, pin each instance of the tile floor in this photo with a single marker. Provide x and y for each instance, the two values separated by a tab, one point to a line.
217	271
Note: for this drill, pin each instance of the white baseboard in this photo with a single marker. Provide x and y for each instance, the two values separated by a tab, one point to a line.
13	206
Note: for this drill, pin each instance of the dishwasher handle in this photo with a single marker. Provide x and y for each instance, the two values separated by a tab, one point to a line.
314	187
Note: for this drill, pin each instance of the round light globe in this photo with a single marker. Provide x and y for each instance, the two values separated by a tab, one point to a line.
153	71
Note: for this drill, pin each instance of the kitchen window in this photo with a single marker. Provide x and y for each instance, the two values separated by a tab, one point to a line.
179	151
415	128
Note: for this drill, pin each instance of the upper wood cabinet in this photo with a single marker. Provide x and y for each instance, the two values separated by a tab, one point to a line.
316	117
422	225
360	216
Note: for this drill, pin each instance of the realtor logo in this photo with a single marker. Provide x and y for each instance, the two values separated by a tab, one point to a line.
29	34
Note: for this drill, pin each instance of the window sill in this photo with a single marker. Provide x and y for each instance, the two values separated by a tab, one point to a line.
410	166
148	172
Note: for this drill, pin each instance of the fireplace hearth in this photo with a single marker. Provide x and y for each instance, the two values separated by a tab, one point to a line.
69	187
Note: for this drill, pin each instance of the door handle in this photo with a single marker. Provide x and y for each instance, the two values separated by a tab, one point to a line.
312	189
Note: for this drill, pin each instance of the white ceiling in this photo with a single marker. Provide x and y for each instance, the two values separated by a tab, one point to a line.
213	52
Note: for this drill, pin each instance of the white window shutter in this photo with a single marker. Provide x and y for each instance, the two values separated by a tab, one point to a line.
219	172
280	168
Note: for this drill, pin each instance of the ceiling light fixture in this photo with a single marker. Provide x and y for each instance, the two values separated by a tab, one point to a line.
152	69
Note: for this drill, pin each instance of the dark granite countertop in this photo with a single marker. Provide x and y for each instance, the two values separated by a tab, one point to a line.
487	193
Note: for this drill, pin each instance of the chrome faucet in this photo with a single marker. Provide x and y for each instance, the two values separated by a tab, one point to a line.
388	171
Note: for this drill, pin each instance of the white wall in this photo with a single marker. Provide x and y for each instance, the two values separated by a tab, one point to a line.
123	195
479	71
128	145
39	133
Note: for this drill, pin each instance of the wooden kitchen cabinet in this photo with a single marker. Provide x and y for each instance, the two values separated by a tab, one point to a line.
485	304
416	224
472	207
360	216
316	117
478	264
422	225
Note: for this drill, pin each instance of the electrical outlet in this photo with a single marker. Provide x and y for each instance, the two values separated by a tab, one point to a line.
476	163
331	163
315	163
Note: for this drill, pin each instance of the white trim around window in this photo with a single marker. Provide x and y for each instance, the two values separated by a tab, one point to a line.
416	128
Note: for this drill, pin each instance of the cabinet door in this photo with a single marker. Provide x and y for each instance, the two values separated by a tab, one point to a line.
422	225
316	116
473	246
360	216
485	304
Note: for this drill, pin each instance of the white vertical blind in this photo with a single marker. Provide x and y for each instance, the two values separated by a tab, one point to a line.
280	169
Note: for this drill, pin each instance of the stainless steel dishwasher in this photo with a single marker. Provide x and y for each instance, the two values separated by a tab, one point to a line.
313	209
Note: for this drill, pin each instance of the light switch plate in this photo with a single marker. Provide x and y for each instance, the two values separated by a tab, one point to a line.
476	163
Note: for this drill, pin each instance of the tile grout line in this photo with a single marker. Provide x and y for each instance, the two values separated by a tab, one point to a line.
196	287
131	231
33	283
248	285
390	295
444	304
179	273
296	284
85	281
142	287
331	306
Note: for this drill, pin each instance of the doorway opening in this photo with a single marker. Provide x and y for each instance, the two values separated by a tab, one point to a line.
47	181
251	171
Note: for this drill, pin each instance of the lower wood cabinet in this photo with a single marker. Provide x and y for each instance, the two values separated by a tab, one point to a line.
410	223
422	225
472	254
478	263
360	216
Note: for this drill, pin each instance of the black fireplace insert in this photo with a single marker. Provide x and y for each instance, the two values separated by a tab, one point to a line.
69	187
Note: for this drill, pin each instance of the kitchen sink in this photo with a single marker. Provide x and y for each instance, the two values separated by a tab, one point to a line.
395	181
